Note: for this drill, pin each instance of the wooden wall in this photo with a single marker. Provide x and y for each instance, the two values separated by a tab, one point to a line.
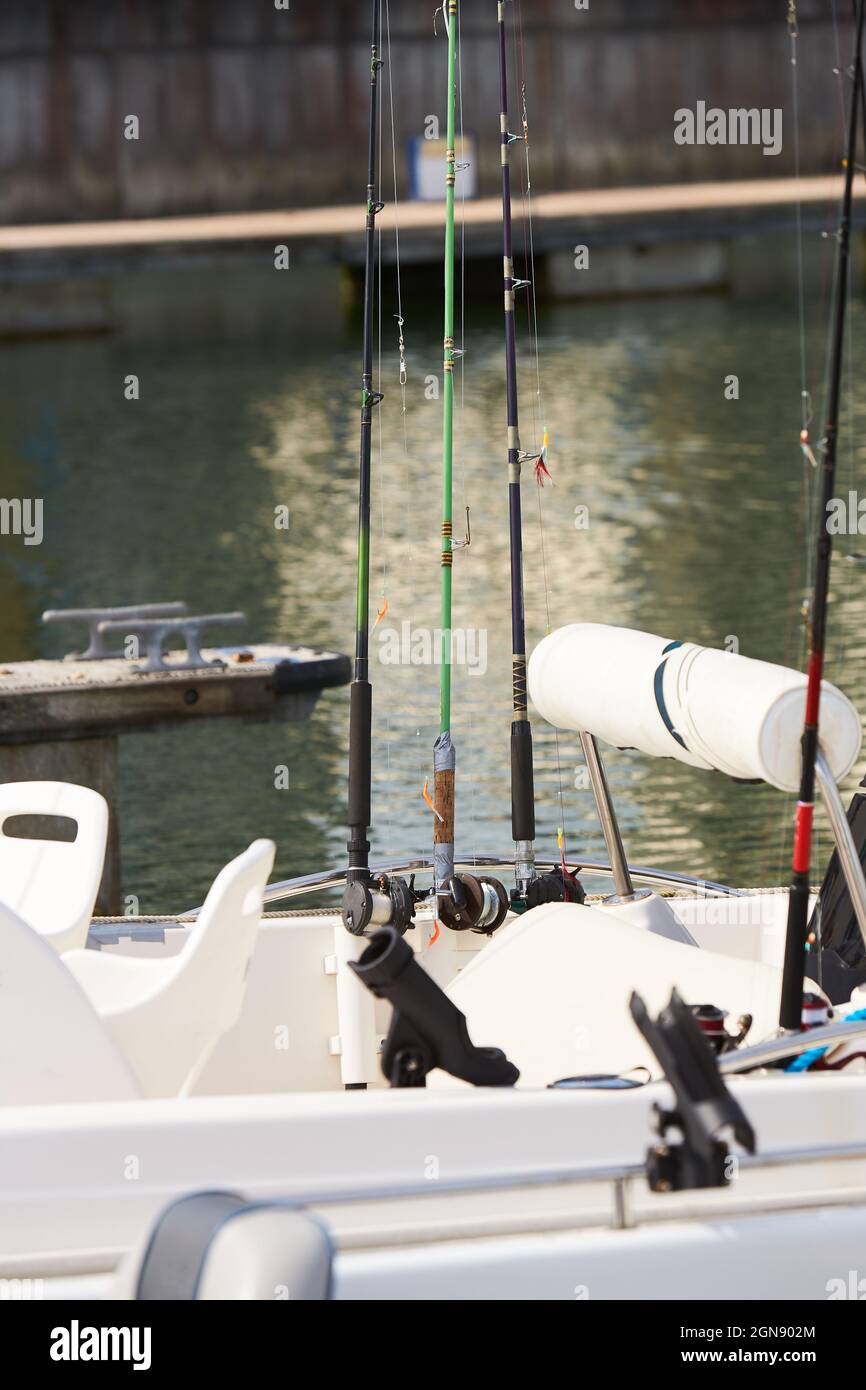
244	106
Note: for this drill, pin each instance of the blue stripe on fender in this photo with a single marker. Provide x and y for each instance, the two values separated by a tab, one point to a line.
658	690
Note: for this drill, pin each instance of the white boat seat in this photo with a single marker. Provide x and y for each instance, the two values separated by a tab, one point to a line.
166	1015
54	1048
217	1246
553	986
53	884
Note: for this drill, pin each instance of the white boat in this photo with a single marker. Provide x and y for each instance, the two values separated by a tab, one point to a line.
448	1192
230	1103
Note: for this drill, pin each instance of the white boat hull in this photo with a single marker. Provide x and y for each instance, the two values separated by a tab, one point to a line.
512	1194
445	1193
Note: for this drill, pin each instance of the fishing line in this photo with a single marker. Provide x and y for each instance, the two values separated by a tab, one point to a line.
841	634
813	497
517	70
798	581
829	293
839	68
522	777
463	545
359	798
399	317
388	842
415	763
462	355
805	399
810	464
528	241
401	345
798	897
444	753
825	301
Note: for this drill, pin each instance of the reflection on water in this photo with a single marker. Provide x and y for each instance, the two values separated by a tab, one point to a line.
247	403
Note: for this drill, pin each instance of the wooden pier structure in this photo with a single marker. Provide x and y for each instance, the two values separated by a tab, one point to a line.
334	235
61	720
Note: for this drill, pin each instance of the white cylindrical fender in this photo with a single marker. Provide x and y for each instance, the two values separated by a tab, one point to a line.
707	708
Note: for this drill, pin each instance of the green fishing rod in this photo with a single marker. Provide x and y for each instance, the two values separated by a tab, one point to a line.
463	901
444	754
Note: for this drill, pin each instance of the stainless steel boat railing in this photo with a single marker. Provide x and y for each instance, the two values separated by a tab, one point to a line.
334	878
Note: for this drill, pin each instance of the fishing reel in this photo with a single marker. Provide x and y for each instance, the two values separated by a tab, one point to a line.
470	903
380	902
557	886
712	1022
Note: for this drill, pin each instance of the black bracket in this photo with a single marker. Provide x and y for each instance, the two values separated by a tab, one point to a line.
427	1029
704	1105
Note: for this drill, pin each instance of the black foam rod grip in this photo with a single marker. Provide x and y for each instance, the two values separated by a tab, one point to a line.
360	727
794	970
522	787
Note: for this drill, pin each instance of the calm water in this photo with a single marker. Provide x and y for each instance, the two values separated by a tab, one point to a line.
249	401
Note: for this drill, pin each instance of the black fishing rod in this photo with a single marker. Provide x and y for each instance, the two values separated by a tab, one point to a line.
361	691
790	1015
522	784
530	888
392	900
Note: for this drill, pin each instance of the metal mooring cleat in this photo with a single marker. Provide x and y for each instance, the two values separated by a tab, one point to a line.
97	649
153	631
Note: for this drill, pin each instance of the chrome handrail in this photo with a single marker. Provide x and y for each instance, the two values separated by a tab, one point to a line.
566	1176
789	1045
333	878
846	849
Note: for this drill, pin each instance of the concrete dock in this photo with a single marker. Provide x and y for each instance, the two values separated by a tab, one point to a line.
61	720
642	216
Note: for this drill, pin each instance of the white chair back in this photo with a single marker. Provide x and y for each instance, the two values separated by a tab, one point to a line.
53	884
216	958
167	1014
53	1047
